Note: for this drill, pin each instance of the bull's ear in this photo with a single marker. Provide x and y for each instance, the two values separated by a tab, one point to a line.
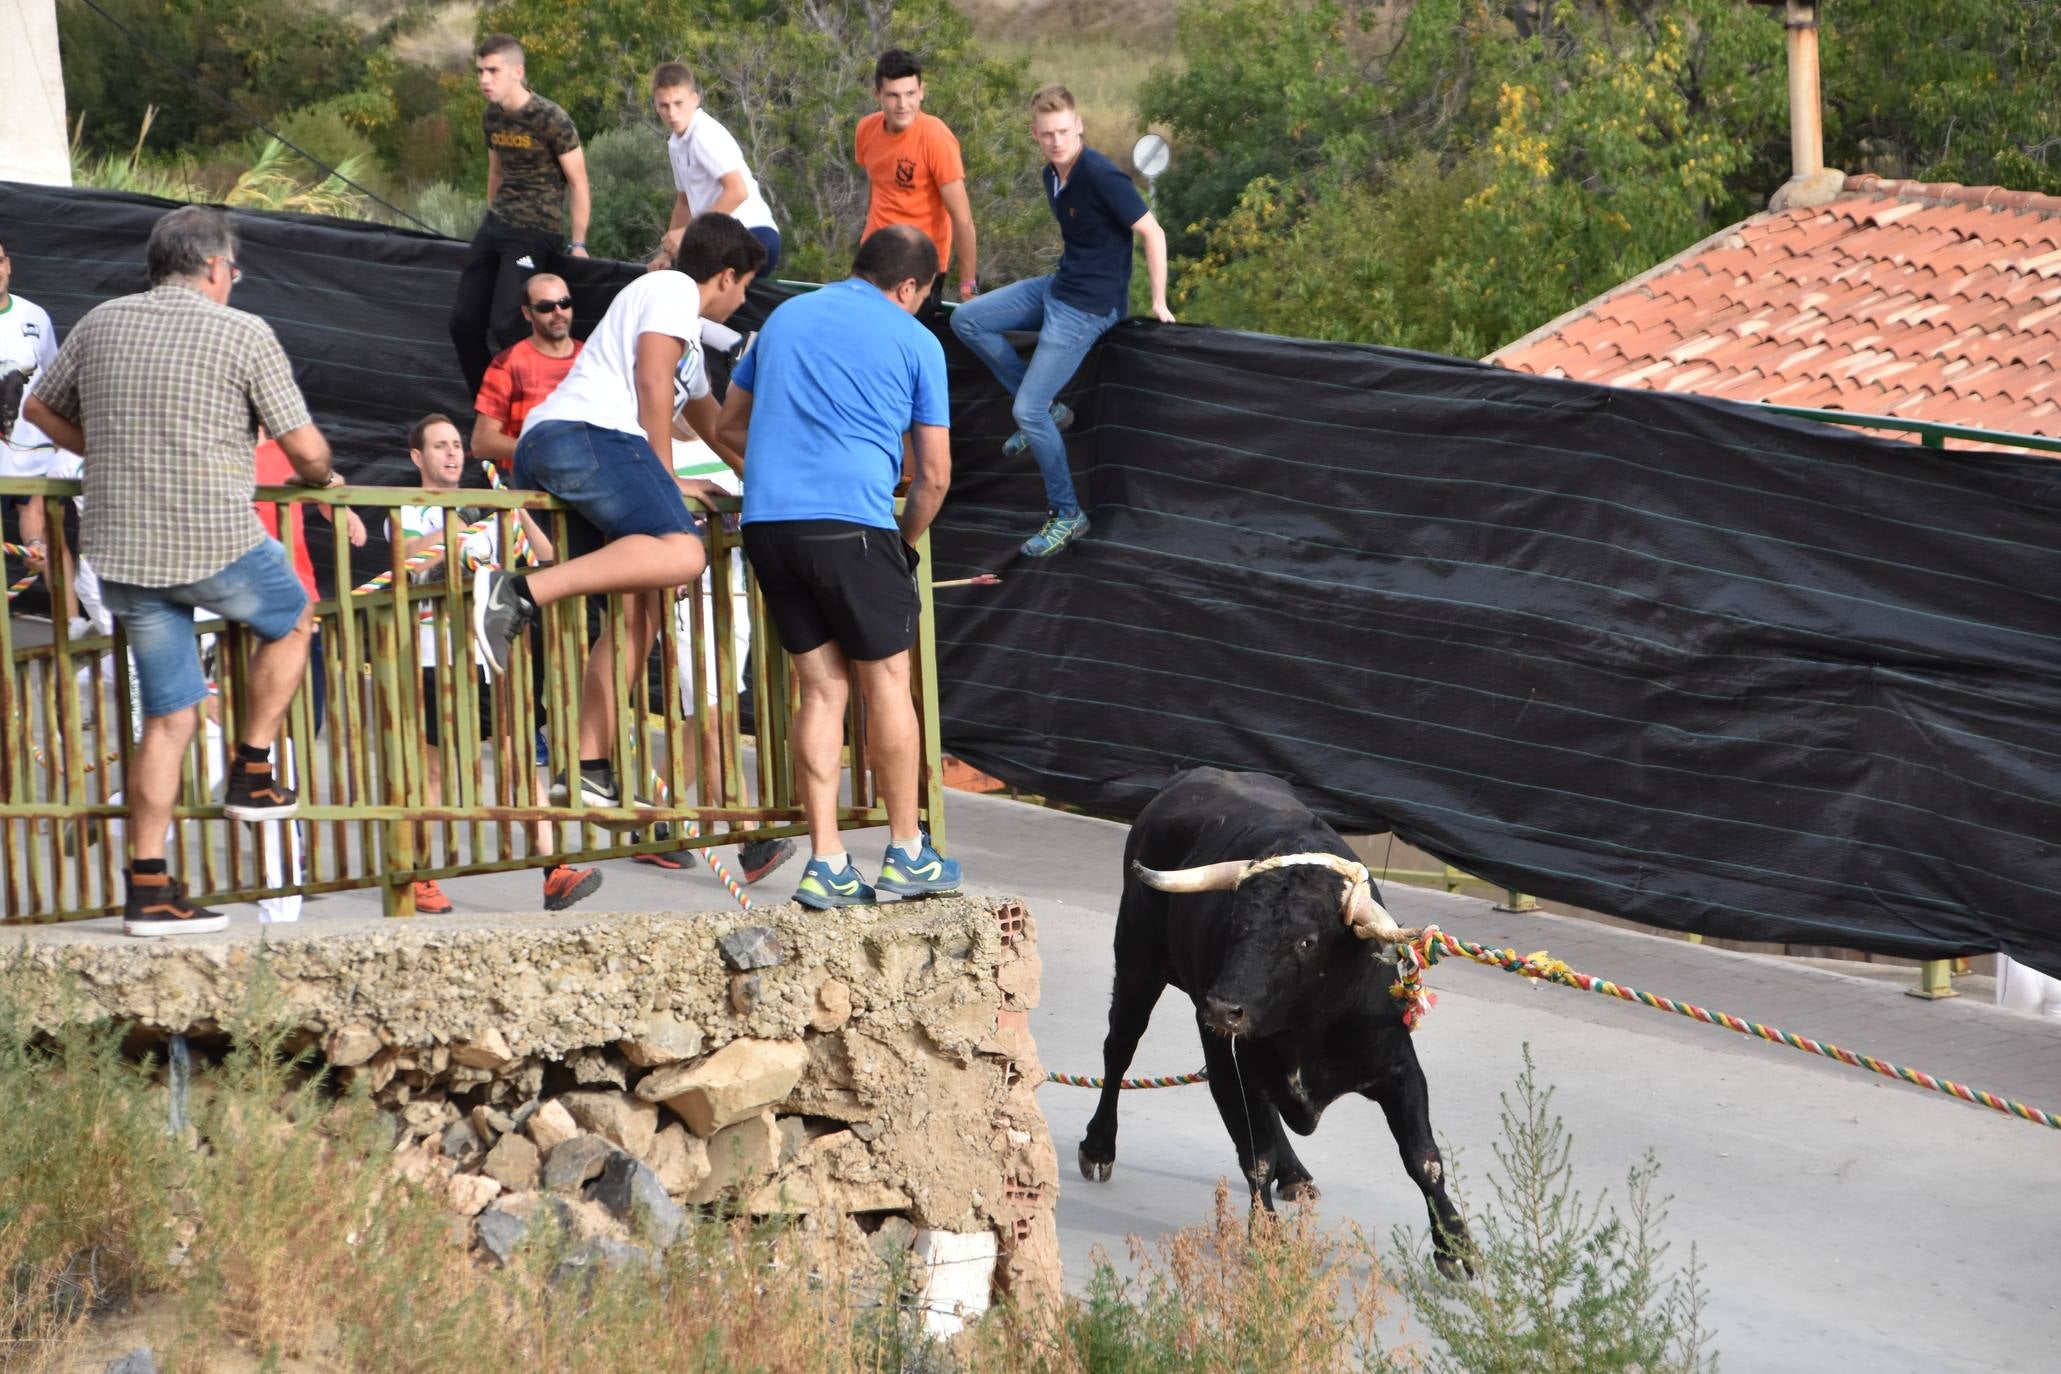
1218	877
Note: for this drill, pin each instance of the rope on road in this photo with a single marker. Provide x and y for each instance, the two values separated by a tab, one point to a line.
1074	1080
1425	951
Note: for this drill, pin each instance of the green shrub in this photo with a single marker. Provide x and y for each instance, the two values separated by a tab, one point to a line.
87	1172
630	182
1563	1287
450	210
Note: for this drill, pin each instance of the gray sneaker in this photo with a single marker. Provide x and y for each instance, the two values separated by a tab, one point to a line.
498	616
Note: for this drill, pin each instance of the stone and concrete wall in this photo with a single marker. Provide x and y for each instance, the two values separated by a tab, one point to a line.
871	1070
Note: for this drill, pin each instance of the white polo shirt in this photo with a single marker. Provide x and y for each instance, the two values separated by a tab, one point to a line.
702	157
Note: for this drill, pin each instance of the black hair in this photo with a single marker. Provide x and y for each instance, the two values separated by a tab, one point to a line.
894	64
714	242
895	253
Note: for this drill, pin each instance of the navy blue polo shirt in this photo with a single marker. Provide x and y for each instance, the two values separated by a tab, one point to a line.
1095	209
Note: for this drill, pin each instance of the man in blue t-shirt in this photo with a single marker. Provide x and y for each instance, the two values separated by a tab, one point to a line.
841	386
1098	210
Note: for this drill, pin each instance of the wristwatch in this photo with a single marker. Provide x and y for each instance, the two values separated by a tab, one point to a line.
577	243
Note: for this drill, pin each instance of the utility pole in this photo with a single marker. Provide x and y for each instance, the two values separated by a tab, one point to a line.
34	147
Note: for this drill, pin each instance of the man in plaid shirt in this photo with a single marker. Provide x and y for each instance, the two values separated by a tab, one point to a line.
162	393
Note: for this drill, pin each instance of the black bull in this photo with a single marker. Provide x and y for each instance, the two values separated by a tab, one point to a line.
1274	971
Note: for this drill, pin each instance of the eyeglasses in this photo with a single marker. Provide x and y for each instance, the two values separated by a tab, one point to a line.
546	307
235	272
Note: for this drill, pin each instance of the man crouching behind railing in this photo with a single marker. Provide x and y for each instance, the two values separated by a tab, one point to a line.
158	391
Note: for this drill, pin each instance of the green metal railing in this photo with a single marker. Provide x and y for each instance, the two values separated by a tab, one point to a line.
364	768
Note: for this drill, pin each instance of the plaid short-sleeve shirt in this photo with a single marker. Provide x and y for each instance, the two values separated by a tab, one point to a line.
169	387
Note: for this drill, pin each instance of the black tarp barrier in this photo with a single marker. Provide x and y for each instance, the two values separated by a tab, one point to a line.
1681	661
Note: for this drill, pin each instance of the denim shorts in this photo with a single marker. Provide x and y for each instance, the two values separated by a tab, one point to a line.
612	480
259	590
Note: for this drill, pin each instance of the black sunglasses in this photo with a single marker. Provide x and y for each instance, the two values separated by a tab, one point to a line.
546	307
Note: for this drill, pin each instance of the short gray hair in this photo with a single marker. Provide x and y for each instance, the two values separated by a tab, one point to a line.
184	239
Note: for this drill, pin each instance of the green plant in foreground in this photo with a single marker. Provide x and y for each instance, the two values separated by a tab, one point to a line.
1564	1287
86	1172
275	1228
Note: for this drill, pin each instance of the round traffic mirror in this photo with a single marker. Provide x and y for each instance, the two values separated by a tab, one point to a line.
1150	156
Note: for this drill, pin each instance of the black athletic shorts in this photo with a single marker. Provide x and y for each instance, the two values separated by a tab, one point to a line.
831	579
433	712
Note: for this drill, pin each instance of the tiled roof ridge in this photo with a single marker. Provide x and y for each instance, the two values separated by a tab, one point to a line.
1954	193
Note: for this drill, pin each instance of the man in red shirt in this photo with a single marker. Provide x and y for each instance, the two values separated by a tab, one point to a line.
525	372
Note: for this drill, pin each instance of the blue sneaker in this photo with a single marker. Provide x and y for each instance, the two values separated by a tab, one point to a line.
822	889
1059	531
1018	444
928	874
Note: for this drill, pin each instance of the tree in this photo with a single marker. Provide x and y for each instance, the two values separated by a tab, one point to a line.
266	56
1264	89
1945	90
1511	170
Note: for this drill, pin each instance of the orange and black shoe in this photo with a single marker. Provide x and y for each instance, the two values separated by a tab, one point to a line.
564	885
430	899
255	795
665	861
157	905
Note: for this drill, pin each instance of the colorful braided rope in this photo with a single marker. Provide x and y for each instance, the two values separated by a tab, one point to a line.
1427	949
715	865
1074	1080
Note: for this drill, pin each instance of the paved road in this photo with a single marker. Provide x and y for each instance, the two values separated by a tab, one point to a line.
1845	1221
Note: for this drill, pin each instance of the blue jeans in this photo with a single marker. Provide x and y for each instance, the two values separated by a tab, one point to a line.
1064	337
259	589
611	478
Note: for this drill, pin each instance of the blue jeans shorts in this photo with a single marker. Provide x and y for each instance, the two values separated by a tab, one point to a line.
259	590
612	480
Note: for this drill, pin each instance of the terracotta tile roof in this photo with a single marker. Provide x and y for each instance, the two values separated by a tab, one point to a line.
1927	301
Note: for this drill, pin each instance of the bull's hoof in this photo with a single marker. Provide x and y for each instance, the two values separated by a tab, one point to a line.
1096	1170
1455	1268
1298	1190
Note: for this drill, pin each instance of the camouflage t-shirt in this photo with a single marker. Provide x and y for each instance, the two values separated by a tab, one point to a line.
530	142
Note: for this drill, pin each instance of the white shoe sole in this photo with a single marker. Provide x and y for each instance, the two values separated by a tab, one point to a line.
480	581
253	814
199	925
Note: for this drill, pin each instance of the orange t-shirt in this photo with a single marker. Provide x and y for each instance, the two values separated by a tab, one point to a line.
906	170
274	469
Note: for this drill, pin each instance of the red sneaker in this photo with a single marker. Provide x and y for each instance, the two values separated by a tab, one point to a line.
430	899
657	860
563	885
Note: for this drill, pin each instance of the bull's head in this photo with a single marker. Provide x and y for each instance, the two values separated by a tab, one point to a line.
1294	919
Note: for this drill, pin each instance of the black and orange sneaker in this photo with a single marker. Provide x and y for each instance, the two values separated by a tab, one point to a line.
761	857
157	905
255	795
564	885
430	899
665	861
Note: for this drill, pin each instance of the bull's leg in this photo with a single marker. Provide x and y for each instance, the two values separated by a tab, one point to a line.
1254	1125
1139	982
1293	1181
1406	1101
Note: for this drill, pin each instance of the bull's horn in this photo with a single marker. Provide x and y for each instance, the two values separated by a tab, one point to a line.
1220	877
1369	919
